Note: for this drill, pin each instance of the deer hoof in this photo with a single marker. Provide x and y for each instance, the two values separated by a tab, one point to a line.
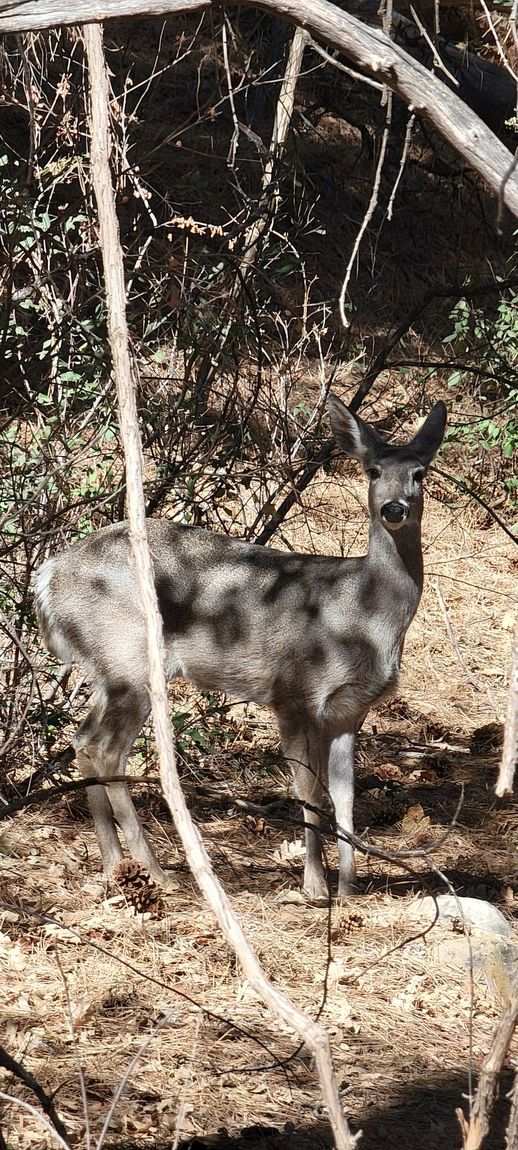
317	896
347	889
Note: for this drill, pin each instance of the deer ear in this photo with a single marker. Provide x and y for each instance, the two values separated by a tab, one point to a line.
358	439
430	436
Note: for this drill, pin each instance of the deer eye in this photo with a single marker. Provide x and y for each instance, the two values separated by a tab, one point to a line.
374	472
418	475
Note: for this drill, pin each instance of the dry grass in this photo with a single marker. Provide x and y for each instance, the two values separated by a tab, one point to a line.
86	996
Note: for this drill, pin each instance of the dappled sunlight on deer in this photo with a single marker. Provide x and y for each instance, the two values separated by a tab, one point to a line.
318	639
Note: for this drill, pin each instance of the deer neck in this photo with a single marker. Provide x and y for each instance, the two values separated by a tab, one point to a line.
395	558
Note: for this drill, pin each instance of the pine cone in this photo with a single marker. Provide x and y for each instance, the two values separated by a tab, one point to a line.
349	922
137	886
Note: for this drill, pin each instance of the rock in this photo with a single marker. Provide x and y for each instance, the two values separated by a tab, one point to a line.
494	961
484	941
469	913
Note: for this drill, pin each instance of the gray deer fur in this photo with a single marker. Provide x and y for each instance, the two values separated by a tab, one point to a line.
317	639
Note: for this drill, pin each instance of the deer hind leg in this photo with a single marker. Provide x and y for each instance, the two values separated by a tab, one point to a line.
307	754
103	743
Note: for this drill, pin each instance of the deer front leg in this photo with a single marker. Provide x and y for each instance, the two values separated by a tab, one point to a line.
341	791
301	746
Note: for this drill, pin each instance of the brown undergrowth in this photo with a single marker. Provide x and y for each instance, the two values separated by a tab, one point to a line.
88	986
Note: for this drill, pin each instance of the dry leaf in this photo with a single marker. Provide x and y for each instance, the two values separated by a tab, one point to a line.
257	826
17	959
82	1010
414	815
55	930
288	851
426	775
337	971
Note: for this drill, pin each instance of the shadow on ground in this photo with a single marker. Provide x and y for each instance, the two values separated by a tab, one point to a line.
422	1115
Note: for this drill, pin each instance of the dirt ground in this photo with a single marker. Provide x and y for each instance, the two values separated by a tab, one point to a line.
96	999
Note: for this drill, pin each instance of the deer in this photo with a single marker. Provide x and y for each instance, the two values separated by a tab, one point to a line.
318	639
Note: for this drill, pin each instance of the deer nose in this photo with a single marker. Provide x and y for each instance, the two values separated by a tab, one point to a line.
395	512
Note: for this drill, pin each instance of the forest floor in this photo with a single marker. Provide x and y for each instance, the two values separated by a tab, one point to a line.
94	997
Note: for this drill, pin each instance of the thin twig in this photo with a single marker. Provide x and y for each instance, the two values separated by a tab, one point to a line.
73	1035
402	163
504	59
472	494
473	679
187	1081
315	47
231	158
371	208
172	988
57	1126
4	622
436	58
123	1081
270	198
282	121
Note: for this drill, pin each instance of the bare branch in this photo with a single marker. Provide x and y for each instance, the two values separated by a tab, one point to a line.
283	115
18	1071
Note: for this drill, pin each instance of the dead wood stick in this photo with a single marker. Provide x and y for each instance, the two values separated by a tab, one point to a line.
311	1033
269	202
475	1129
505	780
283	116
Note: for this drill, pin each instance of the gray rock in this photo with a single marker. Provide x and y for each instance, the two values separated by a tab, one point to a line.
472	913
473	936
494	960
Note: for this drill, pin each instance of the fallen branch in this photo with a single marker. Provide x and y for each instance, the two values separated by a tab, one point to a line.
313	1035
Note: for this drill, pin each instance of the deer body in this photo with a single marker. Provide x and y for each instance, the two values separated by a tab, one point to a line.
317	639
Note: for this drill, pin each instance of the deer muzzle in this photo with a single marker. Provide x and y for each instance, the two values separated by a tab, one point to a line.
395	512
